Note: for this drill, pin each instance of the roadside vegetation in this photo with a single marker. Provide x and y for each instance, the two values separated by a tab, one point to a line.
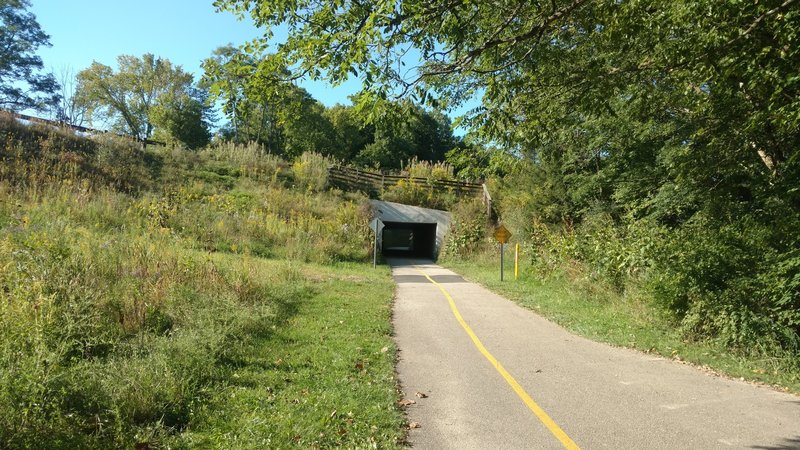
172	299
645	155
654	145
562	277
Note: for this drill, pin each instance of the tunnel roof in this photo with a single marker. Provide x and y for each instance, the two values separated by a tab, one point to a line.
398	212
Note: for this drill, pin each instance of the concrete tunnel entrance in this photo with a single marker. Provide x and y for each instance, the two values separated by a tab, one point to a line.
409	240
410	231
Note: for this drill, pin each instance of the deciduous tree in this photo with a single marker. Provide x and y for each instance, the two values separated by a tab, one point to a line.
182	118
129	96
69	109
673	123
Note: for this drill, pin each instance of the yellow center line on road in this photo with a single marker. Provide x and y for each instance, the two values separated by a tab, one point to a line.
551	425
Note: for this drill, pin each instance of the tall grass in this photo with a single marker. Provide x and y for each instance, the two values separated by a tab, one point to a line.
310	171
425	193
131	281
252	159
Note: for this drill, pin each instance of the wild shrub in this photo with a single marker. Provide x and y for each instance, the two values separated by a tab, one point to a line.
41	141
36	154
251	159
120	309
726	282
782	279
112	342
469	229
618	254
413	191
718	281
310	171
549	247
124	164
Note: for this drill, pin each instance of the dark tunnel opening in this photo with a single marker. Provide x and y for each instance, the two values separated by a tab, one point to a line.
409	240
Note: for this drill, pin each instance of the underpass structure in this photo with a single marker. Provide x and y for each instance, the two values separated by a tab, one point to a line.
410	231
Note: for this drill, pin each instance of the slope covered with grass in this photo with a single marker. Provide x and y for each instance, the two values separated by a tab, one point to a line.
173	299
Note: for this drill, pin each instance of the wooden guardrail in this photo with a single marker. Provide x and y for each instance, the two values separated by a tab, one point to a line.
59	124
375	183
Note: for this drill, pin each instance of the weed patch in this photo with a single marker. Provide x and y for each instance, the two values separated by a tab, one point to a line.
137	307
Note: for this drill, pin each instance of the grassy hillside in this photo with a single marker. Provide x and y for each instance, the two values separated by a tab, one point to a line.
172	299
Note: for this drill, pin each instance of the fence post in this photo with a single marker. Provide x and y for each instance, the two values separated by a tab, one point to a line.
487	200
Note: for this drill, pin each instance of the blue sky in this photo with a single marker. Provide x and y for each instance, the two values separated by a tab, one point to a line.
183	31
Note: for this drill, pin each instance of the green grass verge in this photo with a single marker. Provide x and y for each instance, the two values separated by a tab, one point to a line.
320	377
590	310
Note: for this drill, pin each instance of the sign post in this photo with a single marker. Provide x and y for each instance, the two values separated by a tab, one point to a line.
376	225
502	262
502	235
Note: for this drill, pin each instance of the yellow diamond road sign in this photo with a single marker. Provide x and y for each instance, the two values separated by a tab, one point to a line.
502	234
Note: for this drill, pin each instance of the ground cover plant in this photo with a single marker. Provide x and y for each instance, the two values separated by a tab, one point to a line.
612	297
174	299
413	191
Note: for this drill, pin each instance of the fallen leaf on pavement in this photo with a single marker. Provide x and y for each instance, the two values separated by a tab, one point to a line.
421	395
414	425
406	402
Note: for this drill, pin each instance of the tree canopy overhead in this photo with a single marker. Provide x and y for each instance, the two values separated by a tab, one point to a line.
720	67
673	124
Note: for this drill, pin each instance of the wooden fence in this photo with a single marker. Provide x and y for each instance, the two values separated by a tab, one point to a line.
375	183
59	124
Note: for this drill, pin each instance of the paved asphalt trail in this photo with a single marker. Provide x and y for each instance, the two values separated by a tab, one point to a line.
598	396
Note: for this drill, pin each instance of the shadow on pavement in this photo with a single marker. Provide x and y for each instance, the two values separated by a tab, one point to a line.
422	264
399	279
788	444
405	262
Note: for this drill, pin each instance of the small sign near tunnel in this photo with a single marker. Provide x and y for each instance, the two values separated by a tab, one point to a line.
502	234
376	225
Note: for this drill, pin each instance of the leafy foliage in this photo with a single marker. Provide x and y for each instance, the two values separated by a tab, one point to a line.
659	139
182	118
263	105
469	229
420	189
21	83
145	94
261	108
472	161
